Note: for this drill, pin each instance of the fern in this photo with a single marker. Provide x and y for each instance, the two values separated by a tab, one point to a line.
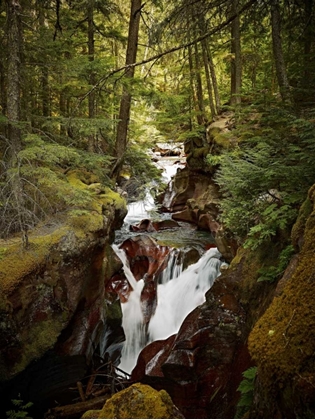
265	178
273	273
20	411
246	388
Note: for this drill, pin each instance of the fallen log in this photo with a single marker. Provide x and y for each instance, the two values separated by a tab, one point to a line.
76	410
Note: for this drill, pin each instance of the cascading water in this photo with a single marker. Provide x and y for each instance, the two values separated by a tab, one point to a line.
176	299
179	296
178	293
174	267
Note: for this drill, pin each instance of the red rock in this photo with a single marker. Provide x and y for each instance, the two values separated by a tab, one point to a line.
197	366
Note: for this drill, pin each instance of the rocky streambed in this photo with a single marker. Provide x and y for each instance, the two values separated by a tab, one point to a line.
61	318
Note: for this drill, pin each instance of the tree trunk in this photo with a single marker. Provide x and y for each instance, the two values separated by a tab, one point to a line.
92	79
208	78
13	81
278	52
308	79
201	107
236	62
44	70
125	102
13	112
214	79
193	100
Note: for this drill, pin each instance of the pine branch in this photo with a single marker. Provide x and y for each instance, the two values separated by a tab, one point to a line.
171	50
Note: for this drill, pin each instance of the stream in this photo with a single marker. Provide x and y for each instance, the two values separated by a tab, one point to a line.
180	288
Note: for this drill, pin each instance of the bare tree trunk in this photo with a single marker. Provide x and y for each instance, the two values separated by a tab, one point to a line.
214	79
208	78
13	110
308	78
125	103
193	100
44	71
236	63
201	107
278	52
13	81
92	79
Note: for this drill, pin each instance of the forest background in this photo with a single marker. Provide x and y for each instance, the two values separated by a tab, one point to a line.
89	85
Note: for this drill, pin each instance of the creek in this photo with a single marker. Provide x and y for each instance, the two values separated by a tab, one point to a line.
181	286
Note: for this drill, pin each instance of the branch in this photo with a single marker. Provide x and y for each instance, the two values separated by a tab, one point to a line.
171	50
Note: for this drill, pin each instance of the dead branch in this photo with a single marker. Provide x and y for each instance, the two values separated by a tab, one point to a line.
76	410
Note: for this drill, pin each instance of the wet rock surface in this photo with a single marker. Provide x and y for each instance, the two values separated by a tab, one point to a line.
53	299
201	366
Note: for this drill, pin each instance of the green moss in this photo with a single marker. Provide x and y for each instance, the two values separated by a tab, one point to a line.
111	197
81	178
18	262
37	341
283	340
222	141
87	221
139	402
91	414
299	226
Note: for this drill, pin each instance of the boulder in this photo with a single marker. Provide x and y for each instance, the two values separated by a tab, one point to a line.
188	185
145	256
139	402
147	225
147	260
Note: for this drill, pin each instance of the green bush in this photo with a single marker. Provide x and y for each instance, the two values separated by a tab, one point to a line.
265	178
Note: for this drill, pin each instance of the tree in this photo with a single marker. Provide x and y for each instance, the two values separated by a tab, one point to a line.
125	103
278	52
14	12
14	76
236	60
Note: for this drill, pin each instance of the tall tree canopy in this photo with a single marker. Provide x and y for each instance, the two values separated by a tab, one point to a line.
90	84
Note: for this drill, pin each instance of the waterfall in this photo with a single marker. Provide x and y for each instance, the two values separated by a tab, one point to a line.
174	266
176	298
132	317
179	291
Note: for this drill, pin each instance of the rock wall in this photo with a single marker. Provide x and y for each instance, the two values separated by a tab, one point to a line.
52	294
282	343
201	366
193	196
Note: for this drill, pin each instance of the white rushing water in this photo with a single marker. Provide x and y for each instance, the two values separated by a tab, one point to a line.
174	266
175	300
179	292
179	296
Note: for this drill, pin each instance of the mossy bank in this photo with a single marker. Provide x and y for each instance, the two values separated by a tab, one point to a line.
57	283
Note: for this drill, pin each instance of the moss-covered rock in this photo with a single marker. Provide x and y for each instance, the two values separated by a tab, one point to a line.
140	402
57	284
282	342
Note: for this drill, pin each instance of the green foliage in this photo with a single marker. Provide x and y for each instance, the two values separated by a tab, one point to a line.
272	273
265	179
20	411
172	115
246	388
40	177
141	170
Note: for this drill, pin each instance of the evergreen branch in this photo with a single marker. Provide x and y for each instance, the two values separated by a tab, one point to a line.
171	50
